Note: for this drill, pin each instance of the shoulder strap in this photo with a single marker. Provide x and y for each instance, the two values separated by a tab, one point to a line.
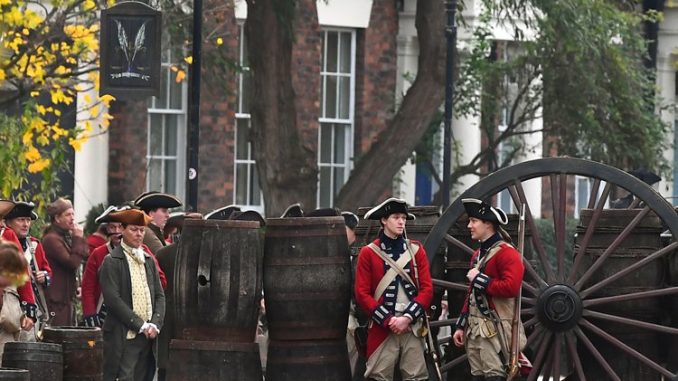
392	263
490	253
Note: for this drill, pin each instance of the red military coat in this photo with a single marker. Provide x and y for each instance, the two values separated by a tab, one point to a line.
369	271
26	294
41	258
94	241
501	276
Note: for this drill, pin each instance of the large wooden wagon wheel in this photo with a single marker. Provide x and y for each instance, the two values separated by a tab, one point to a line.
561	295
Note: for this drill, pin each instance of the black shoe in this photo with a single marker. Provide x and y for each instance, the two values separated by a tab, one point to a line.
477	378
495	378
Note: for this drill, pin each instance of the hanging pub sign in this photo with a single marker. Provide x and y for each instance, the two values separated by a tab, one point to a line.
130	50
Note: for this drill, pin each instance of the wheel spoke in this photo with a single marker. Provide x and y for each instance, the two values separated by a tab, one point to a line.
631	296
532	321
556	357
594	194
630	351
447	366
450	285
634	203
657	254
533	274
542	351
572	349
535	334
548	365
527	311
464	247
589	230
585	340
518	196
613	246
531	301
560	231
530	288
631	322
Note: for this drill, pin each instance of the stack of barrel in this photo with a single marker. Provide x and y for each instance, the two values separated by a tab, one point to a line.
307	283
217	290
66	353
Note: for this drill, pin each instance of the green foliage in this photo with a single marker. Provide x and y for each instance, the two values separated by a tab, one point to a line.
14	173
547	235
92	214
581	70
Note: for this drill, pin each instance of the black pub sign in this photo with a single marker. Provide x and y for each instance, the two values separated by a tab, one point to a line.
130	50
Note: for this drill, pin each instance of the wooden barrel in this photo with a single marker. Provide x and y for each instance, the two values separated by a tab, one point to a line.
45	361
14	374
643	240
213	361
325	360
307	278
83	351
217	281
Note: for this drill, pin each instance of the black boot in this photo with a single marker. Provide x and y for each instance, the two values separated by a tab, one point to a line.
495	378
477	378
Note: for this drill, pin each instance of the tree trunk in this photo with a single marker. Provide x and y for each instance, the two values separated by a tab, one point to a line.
373	174
287	165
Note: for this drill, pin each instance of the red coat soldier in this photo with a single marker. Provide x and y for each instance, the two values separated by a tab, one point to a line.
496	274
393	286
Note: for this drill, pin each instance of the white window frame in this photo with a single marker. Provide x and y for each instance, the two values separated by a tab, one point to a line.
577	184
240	115
347	165
182	118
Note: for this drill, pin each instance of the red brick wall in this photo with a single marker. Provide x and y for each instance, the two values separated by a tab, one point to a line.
376	70
127	151
217	110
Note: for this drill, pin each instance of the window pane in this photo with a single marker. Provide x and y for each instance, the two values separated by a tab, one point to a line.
242	139
245	93
155	174
155	140
339	143
255	193
332	52
325	187
171	128
338	180
241	184
331	97
176	94
345	53
161	100
326	143
582	193
344	97
170	176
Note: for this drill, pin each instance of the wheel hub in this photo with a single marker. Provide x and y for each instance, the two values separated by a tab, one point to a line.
559	307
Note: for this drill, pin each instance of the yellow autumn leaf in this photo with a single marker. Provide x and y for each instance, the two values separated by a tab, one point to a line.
189	60
94	111
32	154
220	41
26	139
107	99
38	165
180	76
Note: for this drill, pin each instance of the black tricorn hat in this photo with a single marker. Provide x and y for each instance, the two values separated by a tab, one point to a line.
484	211
323	212
153	200
293	210
648	177
104	217
388	207
223	213
249	215
22	209
350	220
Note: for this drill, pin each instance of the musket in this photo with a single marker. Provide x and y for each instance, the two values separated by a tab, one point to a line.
513	366
430	342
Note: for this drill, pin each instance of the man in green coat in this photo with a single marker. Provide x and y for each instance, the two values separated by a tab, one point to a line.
135	302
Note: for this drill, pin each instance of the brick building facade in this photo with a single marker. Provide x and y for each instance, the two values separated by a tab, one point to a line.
147	138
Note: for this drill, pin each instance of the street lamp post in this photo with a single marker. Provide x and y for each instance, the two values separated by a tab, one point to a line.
451	34
193	143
